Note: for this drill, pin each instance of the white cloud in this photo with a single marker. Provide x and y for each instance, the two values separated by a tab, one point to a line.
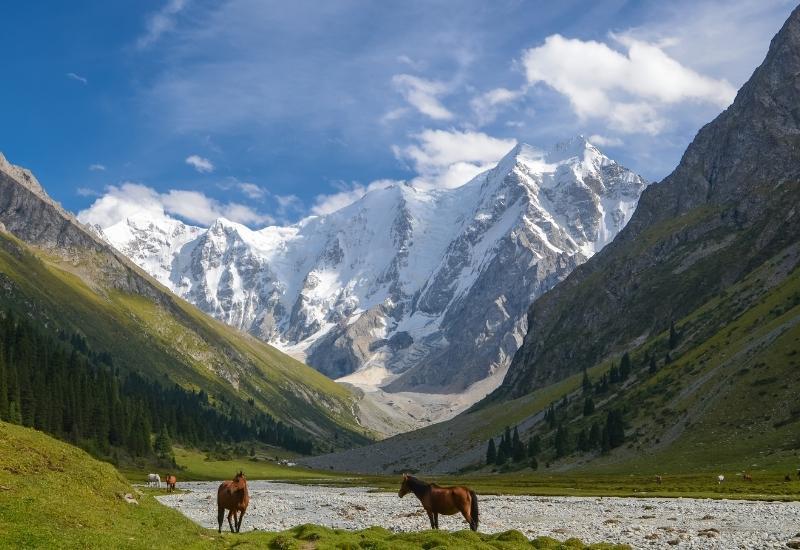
160	22
605	141
202	165
86	192
348	194
628	90
78	78
129	199
423	95
486	106
450	158
251	190
97	168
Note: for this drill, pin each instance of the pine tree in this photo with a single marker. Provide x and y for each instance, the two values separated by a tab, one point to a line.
616	428
605	442
534	463
163	444
588	406
501	456
491	452
587	383
625	367
518	449
561	441
534	445
673	335
613	374
3	385
595	437
583	441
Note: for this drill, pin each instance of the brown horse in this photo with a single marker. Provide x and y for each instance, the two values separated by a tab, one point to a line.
748	476
232	496
170	480
442	500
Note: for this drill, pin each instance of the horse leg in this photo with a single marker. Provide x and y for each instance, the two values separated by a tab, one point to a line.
430	517
239	522
220	516
436	520
230	523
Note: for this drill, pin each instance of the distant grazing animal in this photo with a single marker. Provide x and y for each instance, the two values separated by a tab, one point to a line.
154	480
658	480
787	477
233	496
747	476
170	480
442	500
720	479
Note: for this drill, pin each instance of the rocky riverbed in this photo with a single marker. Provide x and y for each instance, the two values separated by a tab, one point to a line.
640	522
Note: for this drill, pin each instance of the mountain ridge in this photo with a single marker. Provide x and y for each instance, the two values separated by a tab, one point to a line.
383	288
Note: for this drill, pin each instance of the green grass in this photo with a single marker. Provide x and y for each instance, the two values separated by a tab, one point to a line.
53	495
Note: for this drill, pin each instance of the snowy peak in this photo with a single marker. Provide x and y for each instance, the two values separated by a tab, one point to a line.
407	288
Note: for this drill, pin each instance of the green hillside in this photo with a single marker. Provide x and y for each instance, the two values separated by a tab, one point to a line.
169	341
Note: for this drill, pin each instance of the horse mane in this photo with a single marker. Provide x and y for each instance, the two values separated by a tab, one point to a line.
418	485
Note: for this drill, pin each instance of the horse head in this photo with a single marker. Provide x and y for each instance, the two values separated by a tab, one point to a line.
404	488
239	477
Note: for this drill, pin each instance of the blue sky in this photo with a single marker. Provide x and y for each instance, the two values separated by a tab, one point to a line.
265	112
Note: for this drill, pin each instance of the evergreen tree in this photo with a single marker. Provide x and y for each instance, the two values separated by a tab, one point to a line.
594	436
491	452
625	367
561	441
613	375
534	463
3	385
605	443
518	449
588	406
501	456
583	441
587	383
163	445
653	368
616	428
673	335
534	445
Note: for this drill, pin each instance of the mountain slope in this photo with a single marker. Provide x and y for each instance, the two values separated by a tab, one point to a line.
60	276
712	252
730	205
408	289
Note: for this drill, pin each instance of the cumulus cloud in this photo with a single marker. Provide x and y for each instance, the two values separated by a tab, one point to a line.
77	78
202	165
628	90
450	158
423	95
160	22
97	168
347	195
487	105
130	199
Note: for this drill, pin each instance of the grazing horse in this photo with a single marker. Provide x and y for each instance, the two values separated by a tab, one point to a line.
170	480
747	476
232	496
658	480
154	480
787	477
720	479
442	500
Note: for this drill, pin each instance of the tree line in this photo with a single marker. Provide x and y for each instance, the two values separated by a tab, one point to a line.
57	384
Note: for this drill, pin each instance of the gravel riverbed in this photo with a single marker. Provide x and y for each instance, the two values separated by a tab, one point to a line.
640	522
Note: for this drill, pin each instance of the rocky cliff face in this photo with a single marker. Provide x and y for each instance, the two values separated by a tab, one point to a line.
27	212
730	204
409	289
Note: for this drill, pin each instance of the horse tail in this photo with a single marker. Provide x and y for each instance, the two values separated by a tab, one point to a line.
474	511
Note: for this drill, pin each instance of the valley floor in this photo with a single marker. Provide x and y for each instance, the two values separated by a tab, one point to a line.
640	522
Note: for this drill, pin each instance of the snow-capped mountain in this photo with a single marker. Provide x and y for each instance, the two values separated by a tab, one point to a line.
408	289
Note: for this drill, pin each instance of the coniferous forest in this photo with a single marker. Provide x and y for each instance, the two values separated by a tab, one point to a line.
55	383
